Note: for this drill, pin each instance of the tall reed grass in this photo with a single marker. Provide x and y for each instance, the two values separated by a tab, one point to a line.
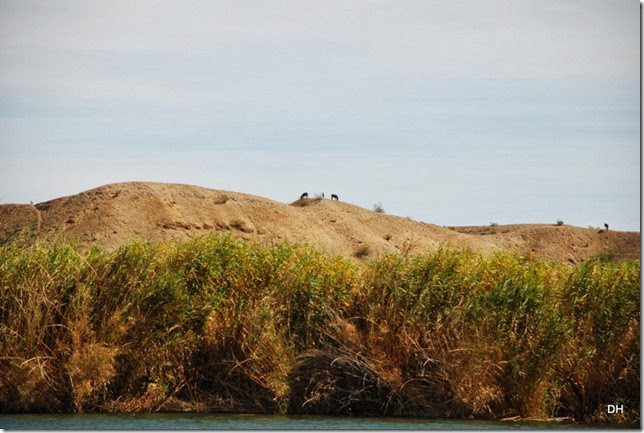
216	323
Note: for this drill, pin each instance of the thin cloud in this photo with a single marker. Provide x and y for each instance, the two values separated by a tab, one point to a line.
484	104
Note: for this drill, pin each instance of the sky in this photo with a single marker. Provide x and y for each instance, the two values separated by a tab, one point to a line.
448	112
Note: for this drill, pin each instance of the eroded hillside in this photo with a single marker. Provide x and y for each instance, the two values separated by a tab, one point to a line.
114	214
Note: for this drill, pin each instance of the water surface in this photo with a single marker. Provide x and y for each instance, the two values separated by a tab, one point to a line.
190	421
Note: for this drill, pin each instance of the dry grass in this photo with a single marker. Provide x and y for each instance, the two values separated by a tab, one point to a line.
216	323
222	199
306	202
362	251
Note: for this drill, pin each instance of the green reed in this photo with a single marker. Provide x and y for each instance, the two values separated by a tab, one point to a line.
217	323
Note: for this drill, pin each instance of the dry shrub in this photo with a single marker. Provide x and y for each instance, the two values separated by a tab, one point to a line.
346	334
222	199
269	349
408	246
453	375
150	400
237	224
90	369
350	336
362	251
246	356
306	201
597	378
337	382
29	385
218	330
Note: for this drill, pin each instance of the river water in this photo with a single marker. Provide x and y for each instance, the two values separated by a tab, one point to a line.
183	421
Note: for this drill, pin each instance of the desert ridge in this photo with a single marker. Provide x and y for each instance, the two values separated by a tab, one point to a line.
115	214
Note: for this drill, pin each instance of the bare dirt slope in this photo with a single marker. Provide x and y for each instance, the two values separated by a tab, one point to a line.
114	214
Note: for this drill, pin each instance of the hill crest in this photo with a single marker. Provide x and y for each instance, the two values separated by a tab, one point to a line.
114	214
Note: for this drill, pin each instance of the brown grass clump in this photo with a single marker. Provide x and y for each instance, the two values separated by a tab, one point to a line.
326	382
238	224
362	251
306	202
90	369
222	199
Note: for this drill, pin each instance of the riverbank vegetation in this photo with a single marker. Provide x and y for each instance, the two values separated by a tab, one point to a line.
219	324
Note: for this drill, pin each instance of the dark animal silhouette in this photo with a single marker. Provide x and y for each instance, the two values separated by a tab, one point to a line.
304	195
606	225
334	197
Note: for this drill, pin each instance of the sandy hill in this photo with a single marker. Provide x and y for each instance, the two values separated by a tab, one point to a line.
114	214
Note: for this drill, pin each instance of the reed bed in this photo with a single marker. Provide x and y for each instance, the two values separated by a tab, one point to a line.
219	324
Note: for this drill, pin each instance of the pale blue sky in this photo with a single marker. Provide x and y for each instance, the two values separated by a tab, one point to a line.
451	112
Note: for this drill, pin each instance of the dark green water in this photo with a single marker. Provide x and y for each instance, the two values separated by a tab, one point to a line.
182	421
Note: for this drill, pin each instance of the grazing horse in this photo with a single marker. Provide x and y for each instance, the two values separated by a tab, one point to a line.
334	197
304	195
606	225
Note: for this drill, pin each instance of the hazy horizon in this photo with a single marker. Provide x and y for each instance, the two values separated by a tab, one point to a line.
449	112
